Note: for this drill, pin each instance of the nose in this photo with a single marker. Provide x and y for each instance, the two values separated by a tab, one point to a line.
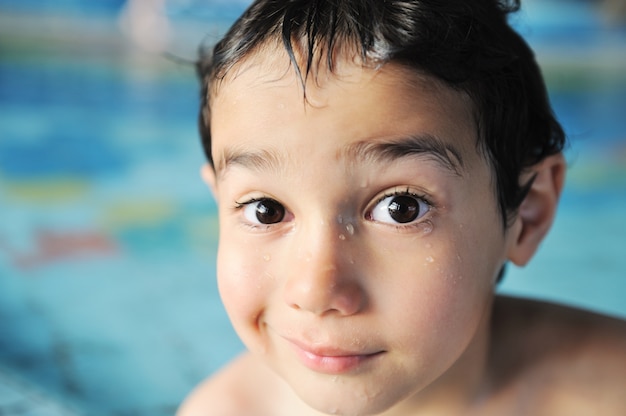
324	278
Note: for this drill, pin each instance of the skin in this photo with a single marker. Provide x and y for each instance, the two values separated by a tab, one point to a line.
344	309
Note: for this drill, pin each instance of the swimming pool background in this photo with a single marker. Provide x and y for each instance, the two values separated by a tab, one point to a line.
107	235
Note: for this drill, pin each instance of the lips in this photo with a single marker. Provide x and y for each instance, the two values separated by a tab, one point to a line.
331	360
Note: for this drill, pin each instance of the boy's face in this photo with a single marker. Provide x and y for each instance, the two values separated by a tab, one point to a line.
360	237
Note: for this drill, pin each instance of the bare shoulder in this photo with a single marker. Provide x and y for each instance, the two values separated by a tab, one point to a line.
240	388
565	358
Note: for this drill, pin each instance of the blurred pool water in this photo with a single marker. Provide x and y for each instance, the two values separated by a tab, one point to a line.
107	235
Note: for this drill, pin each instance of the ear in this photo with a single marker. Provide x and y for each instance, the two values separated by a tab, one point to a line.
208	176
537	211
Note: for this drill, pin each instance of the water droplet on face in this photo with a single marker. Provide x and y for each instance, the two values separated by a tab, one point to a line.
430	259
267	257
428	228
342	237
350	229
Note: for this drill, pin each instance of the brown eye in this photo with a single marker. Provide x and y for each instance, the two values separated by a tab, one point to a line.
264	211
399	209
403	209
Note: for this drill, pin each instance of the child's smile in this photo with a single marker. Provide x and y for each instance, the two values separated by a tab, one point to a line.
353	253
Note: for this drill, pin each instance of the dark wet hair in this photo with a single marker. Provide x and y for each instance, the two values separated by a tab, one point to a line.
467	44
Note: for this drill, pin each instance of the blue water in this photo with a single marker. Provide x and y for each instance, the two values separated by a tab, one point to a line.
107	235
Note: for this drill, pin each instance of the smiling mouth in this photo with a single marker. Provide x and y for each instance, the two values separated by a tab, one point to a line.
329	360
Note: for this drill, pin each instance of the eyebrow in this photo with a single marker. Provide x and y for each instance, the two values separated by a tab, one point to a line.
381	152
377	152
259	160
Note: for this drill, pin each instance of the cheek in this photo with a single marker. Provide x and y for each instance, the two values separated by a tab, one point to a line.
244	285
440	291
462	285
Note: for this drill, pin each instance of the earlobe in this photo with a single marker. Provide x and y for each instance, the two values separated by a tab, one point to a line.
537	211
208	176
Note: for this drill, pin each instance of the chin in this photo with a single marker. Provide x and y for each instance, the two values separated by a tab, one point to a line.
340	398
345	409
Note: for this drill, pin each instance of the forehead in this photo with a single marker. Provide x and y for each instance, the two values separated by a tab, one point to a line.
262	95
271	66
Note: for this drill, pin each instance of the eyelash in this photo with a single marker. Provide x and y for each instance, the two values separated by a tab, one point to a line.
240	205
407	192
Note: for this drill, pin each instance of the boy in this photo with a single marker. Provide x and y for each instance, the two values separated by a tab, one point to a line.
376	164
